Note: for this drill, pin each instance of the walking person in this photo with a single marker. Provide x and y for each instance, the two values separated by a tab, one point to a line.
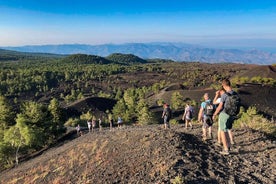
93	124
216	101
78	128
111	123
120	122
100	124
166	115
227	109
89	125
205	116
188	116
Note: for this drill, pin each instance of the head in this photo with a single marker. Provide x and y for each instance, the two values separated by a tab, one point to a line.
206	96
221	91
226	82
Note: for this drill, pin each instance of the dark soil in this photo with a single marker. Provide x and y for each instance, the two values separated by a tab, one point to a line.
151	154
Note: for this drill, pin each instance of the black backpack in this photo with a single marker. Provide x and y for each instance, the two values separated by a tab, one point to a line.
189	114
209	109
232	104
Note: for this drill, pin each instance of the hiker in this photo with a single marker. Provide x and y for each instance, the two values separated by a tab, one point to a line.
216	101
100	124
166	115
188	116
227	110
78	128
120	122
111	123
89	124
93	125
205	115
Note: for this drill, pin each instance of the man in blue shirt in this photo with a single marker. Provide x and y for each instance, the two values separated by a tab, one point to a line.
205	116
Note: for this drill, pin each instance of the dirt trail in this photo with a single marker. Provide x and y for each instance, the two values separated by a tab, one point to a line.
151	154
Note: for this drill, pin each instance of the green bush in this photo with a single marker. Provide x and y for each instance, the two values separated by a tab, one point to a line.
73	122
251	119
174	122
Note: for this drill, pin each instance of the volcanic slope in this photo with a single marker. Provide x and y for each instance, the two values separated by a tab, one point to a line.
151	154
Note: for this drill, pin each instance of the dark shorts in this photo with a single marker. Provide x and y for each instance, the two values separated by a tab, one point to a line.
166	120
207	121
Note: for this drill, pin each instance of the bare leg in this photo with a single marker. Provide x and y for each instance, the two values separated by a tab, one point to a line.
219	134
224	140
190	122
231	137
186	123
204	133
210	132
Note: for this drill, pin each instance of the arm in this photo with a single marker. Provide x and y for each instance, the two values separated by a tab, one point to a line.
185	112
199	118
218	109
216	97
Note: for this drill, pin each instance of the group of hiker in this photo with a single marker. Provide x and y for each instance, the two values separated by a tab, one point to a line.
92	123
225	105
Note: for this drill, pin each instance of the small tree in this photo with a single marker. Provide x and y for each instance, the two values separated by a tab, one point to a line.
56	117
177	101
21	135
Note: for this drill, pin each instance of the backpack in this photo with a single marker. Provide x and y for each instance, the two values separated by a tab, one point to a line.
189	114
209	109
232	104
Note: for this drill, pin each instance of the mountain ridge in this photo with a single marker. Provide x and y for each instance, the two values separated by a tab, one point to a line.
172	51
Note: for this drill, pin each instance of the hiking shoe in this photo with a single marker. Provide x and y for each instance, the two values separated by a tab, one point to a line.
224	152
210	136
232	142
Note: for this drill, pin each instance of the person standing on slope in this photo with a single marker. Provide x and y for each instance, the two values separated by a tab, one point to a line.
216	101
206	114
166	115
227	111
188	116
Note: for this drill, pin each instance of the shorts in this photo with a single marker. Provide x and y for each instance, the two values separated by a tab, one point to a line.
207	121
225	122
166	120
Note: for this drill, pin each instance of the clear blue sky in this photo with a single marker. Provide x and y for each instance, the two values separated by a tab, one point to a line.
38	22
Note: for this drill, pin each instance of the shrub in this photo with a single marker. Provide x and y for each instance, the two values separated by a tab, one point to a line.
178	180
73	122
174	122
252	119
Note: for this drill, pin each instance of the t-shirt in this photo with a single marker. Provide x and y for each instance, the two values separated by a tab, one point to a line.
203	104
207	110
218	101
167	113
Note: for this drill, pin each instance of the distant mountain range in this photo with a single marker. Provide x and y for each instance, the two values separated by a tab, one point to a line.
173	51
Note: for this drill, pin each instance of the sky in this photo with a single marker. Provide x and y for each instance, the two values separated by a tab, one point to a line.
212	22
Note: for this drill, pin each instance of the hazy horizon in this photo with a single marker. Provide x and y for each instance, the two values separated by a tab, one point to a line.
235	24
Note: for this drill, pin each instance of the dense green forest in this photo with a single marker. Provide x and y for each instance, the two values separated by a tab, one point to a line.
35	88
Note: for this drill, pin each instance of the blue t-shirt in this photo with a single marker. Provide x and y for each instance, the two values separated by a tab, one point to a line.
203	105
